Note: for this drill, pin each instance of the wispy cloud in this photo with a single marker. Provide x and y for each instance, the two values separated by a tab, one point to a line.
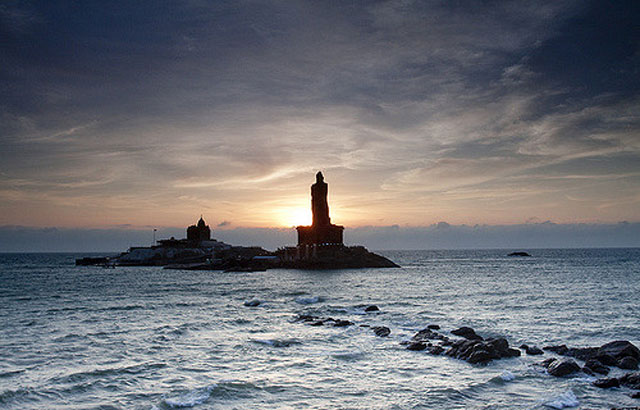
417	111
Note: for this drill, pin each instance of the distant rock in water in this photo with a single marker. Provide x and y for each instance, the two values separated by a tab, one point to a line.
372	308
518	254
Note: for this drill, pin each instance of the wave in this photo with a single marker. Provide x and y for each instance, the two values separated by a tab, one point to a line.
309	300
224	389
11	373
136	369
567	399
277	342
505	376
122	308
190	398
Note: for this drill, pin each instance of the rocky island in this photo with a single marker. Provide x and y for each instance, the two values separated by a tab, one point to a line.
320	246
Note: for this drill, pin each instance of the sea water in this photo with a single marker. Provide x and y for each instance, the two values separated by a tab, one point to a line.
148	338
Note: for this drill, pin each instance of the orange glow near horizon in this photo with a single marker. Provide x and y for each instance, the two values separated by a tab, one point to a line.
294	216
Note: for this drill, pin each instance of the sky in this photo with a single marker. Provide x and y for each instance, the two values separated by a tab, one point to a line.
125	116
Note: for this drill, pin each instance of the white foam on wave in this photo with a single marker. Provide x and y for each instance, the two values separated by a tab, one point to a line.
507	376
567	399
190	398
276	342
310	300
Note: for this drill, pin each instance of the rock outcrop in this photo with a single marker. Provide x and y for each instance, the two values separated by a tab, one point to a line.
473	348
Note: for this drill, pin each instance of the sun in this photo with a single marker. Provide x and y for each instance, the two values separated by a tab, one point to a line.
296	216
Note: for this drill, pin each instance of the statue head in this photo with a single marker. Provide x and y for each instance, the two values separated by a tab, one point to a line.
319	177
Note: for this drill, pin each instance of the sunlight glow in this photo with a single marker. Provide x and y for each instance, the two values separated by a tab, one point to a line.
295	216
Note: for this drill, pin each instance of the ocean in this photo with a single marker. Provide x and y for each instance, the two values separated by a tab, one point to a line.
148	338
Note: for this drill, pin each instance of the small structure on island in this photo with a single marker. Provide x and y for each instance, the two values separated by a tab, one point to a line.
321	231
199	232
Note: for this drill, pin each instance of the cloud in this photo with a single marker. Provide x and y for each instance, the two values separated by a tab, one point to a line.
417	111
437	236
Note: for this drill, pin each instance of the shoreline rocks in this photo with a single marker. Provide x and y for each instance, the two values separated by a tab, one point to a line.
620	353
476	350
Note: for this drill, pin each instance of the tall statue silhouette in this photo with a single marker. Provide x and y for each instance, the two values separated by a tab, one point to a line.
321	231
319	204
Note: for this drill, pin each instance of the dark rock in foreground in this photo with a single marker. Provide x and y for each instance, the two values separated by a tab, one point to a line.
628	363
532	350
416	346
473	349
467	333
607	383
631	380
560	368
620	353
620	349
596	366
479	351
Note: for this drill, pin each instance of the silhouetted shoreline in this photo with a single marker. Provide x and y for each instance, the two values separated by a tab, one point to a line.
320	247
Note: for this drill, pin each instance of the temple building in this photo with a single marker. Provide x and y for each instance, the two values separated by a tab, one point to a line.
200	232
321	231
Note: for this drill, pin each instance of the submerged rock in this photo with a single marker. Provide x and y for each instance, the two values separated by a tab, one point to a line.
607	383
561	349
381	331
433	327
252	303
342	323
532	350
